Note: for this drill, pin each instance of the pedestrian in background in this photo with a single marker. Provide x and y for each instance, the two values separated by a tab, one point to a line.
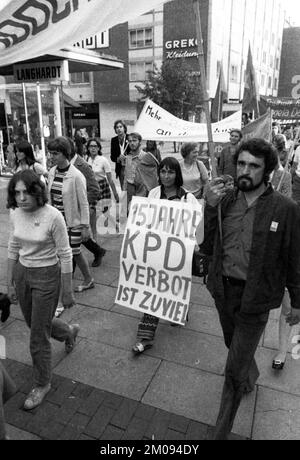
118	150
25	160
102	170
67	193
194	173
93	195
38	242
226	163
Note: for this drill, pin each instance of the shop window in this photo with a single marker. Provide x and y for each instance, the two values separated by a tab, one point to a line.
234	73
138	71
141	38
80	78
270	82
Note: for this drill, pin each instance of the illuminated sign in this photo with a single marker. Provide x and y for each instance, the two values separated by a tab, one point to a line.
42	71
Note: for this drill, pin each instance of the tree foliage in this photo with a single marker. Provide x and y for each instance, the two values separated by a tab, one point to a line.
174	87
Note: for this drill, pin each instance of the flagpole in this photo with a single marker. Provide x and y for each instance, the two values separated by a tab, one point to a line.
204	87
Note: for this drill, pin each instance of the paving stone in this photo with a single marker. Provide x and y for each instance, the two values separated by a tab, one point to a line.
200	398
68	409
112	433
196	431
15	434
100	297
277	416
109	368
64	390
75	427
124	413
82	391
178	423
90	405
107	327
190	348
158	426
112	400
136	429
144	411
101	419
52	431
172	435
84	437
286	380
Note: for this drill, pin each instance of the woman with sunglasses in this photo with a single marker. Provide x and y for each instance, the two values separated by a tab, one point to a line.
102	170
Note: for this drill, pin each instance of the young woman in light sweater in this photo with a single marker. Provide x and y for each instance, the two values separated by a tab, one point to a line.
38	242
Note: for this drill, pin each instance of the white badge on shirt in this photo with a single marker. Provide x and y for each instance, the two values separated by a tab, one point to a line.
274	227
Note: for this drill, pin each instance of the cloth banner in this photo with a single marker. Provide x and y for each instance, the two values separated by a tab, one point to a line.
157	124
156	258
31	28
259	128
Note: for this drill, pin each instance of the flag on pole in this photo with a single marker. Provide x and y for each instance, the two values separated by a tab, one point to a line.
251	93
220	97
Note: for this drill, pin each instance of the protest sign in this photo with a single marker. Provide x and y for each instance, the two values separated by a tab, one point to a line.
157	124
259	128
156	258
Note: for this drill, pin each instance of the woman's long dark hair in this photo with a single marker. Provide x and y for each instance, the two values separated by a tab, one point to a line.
34	187
26	148
173	164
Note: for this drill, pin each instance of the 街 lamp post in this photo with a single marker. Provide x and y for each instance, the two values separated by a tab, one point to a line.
201	60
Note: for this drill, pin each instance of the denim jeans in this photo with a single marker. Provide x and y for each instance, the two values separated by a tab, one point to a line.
242	333
38	291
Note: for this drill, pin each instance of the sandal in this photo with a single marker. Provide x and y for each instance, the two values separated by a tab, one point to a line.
140	347
85	287
278	365
59	310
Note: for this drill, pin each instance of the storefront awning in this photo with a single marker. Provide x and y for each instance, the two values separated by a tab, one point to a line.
69	101
80	60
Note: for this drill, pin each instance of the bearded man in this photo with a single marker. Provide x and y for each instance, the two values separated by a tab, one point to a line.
254	246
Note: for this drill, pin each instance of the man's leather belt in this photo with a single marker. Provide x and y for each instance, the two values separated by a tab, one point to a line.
233	281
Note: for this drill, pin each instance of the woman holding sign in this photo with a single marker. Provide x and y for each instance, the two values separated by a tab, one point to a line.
170	188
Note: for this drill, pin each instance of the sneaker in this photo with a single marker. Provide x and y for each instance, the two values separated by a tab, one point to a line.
36	397
59	310
98	257
70	341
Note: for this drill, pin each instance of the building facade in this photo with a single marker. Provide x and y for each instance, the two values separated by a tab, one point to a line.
169	32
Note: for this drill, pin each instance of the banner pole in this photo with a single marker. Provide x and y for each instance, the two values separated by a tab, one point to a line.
201	59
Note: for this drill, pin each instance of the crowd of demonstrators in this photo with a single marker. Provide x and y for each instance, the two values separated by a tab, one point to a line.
194	173
170	188
102	171
226	164
38	242
118	150
67	193
256	258
251	241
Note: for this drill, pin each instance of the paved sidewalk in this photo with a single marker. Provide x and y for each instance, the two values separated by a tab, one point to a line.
171	391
